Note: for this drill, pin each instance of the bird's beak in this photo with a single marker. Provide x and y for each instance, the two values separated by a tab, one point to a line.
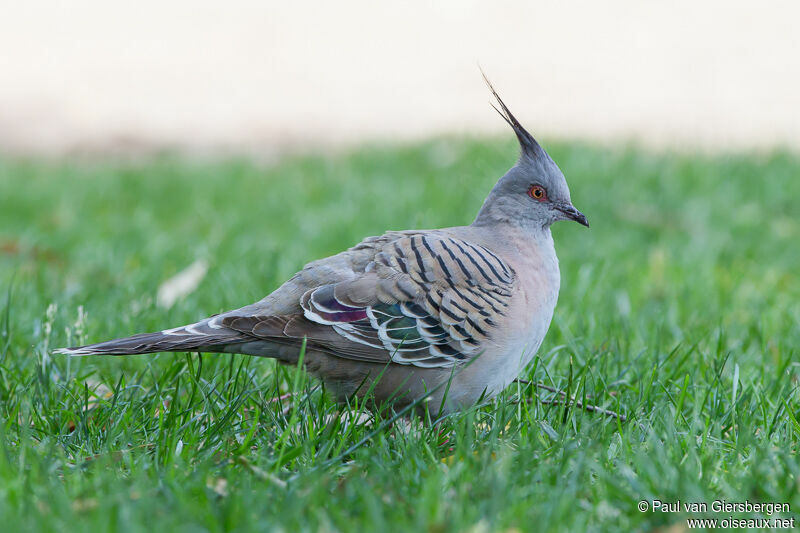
571	213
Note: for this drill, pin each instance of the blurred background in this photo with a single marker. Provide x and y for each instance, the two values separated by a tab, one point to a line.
247	76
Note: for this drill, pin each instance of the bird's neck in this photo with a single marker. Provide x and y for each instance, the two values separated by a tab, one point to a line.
492	212
498	214
499	231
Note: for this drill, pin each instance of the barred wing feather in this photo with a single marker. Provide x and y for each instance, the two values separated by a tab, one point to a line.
424	300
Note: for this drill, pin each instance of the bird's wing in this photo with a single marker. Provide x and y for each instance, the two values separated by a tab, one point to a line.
424	299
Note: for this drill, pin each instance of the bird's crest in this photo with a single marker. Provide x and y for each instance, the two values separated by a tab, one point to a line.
528	144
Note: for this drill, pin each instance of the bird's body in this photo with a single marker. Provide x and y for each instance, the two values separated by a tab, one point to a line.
448	315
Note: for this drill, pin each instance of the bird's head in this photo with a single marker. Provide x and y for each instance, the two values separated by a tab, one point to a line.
534	192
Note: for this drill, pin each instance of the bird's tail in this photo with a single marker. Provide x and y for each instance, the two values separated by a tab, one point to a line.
206	335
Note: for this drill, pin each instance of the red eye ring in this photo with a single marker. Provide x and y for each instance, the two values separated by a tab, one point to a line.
538	193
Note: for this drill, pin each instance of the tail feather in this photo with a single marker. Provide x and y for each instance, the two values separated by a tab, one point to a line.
199	336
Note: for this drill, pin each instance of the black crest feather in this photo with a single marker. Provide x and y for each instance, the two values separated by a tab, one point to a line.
527	143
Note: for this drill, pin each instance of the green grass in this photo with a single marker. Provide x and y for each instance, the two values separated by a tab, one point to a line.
679	308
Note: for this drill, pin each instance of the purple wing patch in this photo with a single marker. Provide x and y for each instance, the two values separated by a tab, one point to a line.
405	330
326	307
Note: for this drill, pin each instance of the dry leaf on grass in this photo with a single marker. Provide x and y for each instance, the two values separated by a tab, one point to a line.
181	284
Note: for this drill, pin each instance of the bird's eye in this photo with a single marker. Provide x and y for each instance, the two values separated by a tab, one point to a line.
537	192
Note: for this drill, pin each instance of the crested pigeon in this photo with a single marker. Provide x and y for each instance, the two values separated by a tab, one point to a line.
448	316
